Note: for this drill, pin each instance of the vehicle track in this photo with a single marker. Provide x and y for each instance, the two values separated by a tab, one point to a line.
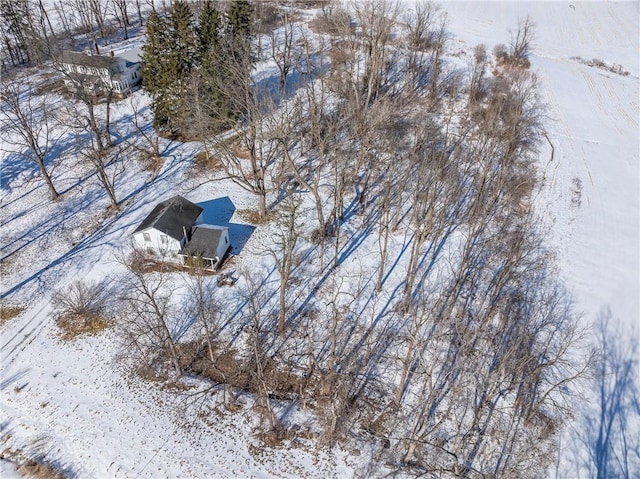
25	335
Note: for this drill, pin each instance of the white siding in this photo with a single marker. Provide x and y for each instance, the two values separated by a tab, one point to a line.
161	244
223	245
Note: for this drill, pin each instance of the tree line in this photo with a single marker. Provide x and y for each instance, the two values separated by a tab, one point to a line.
34	31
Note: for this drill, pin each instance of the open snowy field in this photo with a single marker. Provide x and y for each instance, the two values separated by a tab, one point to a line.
593	126
75	404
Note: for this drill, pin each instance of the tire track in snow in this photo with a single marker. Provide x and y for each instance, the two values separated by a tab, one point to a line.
22	338
621	106
606	99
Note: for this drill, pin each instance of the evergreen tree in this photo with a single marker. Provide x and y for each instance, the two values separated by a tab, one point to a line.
211	81
168	58
198	72
208	31
239	60
240	16
183	60
183	39
155	71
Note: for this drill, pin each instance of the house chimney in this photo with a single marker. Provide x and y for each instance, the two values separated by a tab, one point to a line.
184	230
111	53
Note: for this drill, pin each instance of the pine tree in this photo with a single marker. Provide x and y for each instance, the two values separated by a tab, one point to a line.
156	78
208	31
182	59
238	60
169	57
183	39
240	16
198	73
210	58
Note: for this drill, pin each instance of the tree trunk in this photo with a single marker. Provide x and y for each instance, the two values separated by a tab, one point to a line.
52	190
262	204
94	126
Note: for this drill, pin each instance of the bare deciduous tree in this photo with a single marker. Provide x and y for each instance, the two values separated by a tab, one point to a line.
205	306
109	164
375	19
249	160
121	13
282	49
257	313
143	123
521	41
28	121
148	315
420	37
285	241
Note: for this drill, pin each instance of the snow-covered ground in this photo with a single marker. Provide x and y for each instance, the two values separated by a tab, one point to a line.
593	125
73	402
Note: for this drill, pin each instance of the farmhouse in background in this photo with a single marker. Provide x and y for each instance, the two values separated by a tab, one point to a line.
174	231
100	74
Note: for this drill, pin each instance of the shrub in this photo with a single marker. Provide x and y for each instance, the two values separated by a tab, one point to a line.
82	308
204	161
253	216
9	311
39	469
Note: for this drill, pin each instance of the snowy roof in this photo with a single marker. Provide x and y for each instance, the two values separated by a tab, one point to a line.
77	58
133	55
204	241
171	216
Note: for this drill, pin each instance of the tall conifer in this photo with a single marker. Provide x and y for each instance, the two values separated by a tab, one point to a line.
156	75
211	56
239	59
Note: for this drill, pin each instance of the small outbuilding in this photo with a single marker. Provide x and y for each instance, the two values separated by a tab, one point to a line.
207	242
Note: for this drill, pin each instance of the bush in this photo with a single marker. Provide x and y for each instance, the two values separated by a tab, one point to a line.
82	308
39	469
204	162
9	311
331	21
503	57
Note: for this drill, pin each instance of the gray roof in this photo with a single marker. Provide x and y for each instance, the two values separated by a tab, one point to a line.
203	243
77	58
133	55
171	216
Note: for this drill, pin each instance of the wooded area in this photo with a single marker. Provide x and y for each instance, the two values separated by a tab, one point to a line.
463	364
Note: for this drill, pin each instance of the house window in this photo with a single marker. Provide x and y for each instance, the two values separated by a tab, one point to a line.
163	239
146	237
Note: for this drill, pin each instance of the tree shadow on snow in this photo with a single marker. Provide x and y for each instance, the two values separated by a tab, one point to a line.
219	212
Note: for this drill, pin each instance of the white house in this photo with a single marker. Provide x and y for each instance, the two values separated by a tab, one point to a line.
102	73
165	230
173	231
